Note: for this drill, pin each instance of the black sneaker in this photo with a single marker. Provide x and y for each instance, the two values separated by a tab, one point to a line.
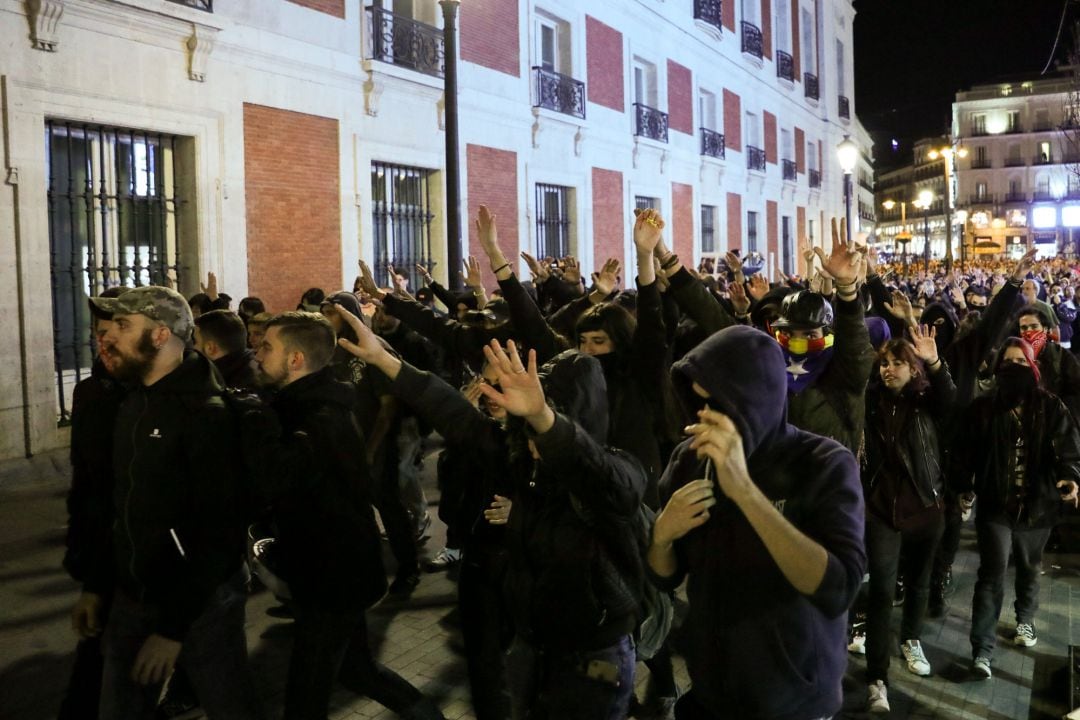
404	585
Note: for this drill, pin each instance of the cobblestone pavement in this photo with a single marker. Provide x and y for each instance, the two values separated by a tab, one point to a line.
418	638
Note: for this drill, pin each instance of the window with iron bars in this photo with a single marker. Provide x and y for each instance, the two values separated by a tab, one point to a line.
553	220
751	231
643	202
113	221
708	229
401	220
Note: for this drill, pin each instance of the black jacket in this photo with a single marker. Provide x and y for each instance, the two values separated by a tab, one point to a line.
571	578
316	478
95	404
238	370
179	530
920	416
1061	375
792	647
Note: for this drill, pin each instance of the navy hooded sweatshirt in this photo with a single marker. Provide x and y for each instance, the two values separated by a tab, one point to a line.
792	648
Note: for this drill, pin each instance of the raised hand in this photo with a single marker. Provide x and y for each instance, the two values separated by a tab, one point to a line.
367	346
472	277
687	509
648	226
367	283
900	308
520	392
842	262
662	281
608	277
210	288
740	303
759	286
1024	265
539	271
424	273
488	235
923	338
571	270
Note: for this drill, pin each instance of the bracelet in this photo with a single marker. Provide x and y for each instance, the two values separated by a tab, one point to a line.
936	363
501	268
671	262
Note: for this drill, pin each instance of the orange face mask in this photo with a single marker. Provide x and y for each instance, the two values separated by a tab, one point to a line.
803	346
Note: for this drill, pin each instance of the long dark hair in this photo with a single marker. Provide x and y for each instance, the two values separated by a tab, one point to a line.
613	319
904	351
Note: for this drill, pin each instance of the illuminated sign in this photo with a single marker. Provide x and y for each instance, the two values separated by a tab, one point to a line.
1044	217
1070	216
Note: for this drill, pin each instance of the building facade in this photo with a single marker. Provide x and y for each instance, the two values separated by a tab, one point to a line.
277	143
896	197
1019	182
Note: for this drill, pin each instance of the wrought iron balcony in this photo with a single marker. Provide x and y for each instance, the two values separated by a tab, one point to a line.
1043	159
1016	197
866	184
207	5
1043	196
755	158
752	42
560	93
650	122
815	178
981	164
1041	126
709	11
978	131
811	82
845	107
791	170
785	66
1014	129
712	143
409	43
984	199
1015	162
1072	193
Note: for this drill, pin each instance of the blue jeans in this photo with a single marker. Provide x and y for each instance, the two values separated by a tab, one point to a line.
214	654
995	541
576	685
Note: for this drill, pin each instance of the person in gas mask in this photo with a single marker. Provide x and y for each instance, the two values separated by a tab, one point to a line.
1019	453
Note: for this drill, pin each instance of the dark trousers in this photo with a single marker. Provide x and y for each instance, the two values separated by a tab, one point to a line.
84	688
950	539
334	645
582	685
214	654
995	541
484	630
400	528
886	549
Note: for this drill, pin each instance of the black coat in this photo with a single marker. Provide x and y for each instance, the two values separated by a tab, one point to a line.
238	370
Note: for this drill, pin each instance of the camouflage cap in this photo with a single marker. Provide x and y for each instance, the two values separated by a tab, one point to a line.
160	304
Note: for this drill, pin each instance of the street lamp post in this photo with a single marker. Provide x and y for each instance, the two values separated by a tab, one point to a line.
962	216
903	237
948	152
848	154
453	169
926	199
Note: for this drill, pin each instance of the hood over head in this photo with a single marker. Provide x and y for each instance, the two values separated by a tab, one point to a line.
574	386
879	330
349	302
944	319
772	299
743	370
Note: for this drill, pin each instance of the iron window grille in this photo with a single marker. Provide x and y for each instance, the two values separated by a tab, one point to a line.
207	5
552	221
755	158
788	244
810	81
785	66
815	178
712	143
709	11
708	228
400	40
112	208
791	170
560	93
845	107
650	123
643	202
751	231
752	42
401	218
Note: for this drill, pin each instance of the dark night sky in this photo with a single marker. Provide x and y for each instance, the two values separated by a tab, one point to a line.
911	56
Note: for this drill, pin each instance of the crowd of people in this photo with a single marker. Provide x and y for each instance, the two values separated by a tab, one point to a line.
801	454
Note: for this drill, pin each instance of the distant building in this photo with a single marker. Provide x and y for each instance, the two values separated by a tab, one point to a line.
895	195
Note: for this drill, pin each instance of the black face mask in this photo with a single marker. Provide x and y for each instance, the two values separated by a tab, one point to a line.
1014	383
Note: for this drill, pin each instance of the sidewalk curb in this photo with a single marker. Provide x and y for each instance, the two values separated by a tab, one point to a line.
52	467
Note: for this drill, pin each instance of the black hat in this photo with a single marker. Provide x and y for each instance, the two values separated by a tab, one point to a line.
804	310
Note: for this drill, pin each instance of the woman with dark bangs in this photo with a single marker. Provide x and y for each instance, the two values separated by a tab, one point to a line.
903	484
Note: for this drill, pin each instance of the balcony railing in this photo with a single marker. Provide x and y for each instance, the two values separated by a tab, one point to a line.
709	11
845	107
712	143
752	43
815	178
1072	193
560	93
785	66
1042	196
400	40
1046	126
1016	129
866	184
981	164
650	123
1015	162
755	158
791	170
207	5
1042	159
978	131
811	82
983	199
1016	197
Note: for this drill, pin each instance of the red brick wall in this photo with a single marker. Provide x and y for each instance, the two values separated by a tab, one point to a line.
727	14
330	7
604	49
734	222
766	27
489	34
732	120
680	93
772	231
770	137
293	204
607	216
682	221
800	150
493	182
796	40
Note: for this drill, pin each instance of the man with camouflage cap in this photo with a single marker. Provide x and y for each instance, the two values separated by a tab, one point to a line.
178	539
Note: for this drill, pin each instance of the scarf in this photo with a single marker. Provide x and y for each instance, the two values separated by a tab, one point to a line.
805	360
1036	338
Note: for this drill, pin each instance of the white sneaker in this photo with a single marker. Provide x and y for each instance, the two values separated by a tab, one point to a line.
878	698
858	643
981	668
1025	635
916	659
444	559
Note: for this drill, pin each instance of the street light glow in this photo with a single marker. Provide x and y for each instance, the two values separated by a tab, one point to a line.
926	197
848	154
889	204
